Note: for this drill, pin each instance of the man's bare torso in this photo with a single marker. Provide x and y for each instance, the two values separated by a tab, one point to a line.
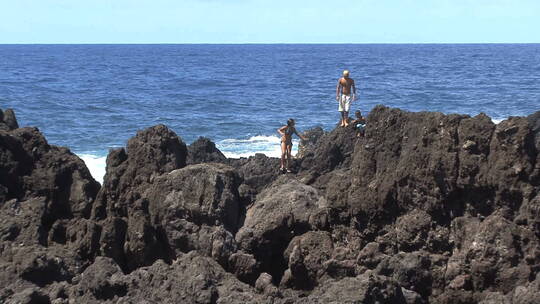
346	85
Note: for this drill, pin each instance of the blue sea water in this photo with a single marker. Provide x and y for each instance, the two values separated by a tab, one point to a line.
94	97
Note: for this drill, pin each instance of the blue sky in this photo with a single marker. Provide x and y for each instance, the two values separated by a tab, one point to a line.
277	21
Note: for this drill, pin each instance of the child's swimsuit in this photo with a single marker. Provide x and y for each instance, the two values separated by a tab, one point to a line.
287	139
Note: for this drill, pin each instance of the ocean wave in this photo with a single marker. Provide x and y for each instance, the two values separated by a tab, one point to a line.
268	145
96	165
253	139
231	148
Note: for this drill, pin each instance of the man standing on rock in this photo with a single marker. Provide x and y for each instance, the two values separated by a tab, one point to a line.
344	96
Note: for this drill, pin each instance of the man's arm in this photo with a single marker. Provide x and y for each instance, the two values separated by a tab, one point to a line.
338	89
354	90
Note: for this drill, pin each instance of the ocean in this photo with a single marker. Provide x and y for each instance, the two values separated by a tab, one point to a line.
91	98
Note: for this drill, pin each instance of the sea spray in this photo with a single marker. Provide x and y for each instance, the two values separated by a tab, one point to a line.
231	148
96	165
268	145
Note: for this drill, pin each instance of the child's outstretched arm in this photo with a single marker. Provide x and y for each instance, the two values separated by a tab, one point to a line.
299	135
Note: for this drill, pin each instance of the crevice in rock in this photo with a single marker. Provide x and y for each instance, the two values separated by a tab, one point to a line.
532	152
271	257
243	205
58	234
60	199
38	298
58	206
512	201
476	201
46	271
108	291
275	265
113	239
167	253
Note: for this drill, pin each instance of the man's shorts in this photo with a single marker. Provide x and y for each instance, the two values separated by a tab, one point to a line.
344	103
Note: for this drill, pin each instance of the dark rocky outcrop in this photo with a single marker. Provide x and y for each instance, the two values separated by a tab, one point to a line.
121	208
534	121
46	194
329	151
257	172
425	208
292	206
203	150
8	121
365	288
196	208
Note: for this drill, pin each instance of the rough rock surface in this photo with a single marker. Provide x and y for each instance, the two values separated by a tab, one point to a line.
426	208
204	151
127	234
8	121
196	208
46	194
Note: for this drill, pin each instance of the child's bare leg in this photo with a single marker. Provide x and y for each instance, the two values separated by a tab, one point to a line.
289	157
283	155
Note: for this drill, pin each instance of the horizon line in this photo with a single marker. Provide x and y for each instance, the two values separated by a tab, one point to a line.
269	43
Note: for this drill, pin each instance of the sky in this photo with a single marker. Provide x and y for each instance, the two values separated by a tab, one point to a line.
269	21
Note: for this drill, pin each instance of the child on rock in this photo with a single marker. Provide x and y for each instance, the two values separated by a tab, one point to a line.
286	133
359	124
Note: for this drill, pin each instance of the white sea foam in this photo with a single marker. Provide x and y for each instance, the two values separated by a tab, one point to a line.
254	139
268	145
232	148
96	165
497	121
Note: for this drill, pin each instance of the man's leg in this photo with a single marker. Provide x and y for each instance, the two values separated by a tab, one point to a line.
340	109
346	106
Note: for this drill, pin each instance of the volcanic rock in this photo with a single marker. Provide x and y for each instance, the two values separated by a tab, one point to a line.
189	279
128	235
308	146
8	121
280	212
204	151
196	208
329	151
366	288
256	172
534	121
425	208
46	192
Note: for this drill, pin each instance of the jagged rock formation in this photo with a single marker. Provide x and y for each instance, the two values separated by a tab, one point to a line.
426	208
8	121
204	151
46	194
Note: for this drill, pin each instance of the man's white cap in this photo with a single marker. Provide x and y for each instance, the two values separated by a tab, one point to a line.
346	73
